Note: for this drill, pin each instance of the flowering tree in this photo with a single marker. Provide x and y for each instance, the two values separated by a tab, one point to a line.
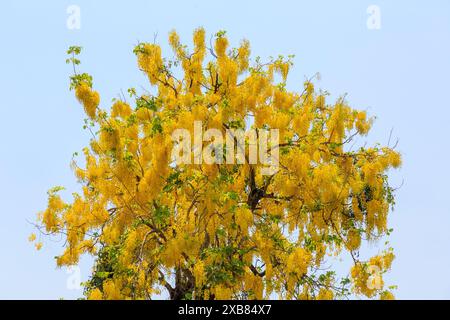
222	230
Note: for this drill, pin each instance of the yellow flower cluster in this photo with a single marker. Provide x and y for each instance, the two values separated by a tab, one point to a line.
353	241
150	61
121	109
89	98
298	262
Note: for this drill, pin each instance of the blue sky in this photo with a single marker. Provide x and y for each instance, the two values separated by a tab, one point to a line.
398	73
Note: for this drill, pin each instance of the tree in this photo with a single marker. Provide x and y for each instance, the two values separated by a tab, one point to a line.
221	230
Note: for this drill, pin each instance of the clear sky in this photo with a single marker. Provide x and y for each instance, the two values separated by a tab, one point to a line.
400	73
